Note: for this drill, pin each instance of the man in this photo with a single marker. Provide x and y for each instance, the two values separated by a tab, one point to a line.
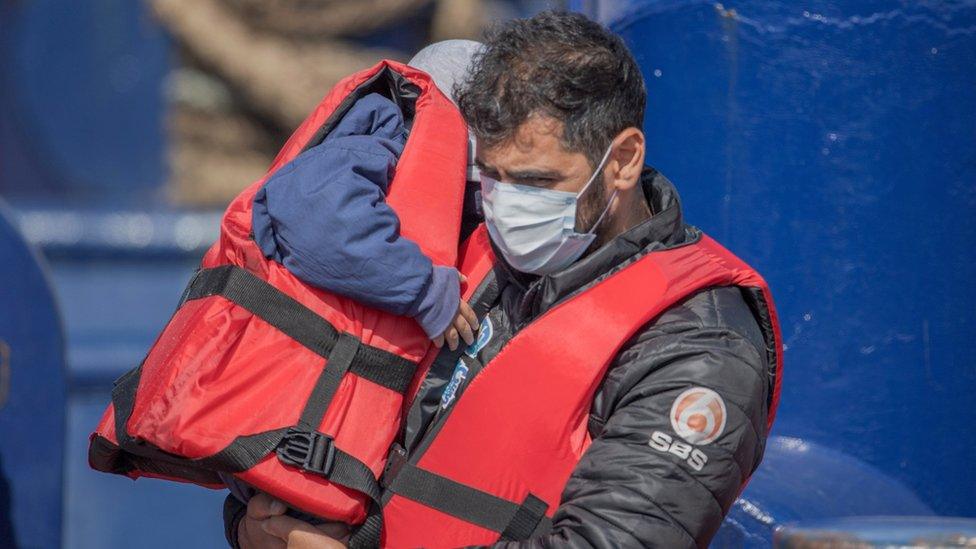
556	103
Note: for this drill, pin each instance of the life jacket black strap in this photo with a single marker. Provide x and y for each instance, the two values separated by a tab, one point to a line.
303	446
514	521
297	322
528	517
341	359
316	453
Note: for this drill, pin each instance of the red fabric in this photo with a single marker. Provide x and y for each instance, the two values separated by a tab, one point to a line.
521	424
217	372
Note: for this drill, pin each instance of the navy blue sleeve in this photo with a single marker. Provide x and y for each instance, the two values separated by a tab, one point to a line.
437	308
329	225
324	217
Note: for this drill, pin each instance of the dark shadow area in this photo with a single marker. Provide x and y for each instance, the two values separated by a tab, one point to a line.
8	539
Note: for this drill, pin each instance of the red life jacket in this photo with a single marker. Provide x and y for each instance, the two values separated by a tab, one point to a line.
495	463
249	375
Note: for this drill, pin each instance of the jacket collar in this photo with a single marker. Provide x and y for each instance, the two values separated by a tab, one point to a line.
530	295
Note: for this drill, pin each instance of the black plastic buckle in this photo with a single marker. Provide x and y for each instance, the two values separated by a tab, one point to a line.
394	462
310	451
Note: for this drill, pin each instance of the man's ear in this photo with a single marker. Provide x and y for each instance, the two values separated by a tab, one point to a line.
627	159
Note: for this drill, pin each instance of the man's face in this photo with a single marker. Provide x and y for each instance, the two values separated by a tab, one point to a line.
536	157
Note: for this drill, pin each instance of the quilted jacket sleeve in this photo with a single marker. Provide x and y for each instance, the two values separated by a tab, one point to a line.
640	483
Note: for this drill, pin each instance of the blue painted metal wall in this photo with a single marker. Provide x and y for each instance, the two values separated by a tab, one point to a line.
833	145
804	481
32	395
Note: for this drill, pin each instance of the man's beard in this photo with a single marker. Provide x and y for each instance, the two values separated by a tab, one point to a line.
590	206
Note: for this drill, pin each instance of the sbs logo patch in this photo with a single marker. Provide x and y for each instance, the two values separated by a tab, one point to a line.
698	415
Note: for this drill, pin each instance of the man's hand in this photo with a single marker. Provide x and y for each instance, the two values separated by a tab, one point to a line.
267	527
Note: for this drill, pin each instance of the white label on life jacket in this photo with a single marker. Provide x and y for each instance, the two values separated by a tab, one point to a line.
457	378
485	331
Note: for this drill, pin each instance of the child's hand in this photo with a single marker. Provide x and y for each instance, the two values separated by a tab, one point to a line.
464	327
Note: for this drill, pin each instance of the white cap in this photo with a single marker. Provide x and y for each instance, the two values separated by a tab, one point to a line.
448	62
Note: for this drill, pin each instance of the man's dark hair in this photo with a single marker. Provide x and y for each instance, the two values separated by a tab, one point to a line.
558	64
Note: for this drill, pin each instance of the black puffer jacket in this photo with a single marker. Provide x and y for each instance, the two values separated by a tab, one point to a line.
627	491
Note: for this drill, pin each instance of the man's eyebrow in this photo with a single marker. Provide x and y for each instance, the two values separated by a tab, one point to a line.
523	175
534	174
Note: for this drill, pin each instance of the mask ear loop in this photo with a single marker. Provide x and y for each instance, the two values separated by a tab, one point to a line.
604	214
599	170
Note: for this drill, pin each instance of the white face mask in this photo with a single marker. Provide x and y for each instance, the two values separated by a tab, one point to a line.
535	228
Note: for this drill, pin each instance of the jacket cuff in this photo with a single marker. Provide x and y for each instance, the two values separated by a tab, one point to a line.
439	301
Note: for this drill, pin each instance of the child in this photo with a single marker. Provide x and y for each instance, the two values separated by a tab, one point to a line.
323	216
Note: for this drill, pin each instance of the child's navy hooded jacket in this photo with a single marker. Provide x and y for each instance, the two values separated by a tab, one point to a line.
324	217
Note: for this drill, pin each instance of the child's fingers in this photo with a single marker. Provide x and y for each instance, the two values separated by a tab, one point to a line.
452	338
462	277
439	341
467	312
464	329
